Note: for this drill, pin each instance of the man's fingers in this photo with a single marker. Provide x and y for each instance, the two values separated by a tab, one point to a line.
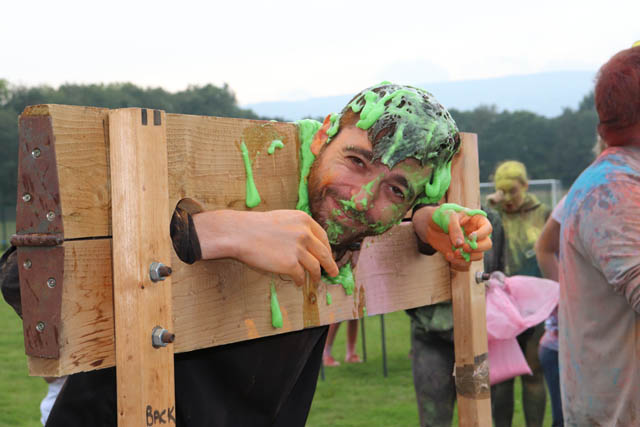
476	256
459	265
311	264
484	228
483	246
319	232
323	255
298	275
455	232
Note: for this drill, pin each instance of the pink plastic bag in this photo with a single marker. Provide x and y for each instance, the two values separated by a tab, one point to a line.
514	304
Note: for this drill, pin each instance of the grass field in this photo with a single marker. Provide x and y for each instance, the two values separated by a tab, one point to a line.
350	395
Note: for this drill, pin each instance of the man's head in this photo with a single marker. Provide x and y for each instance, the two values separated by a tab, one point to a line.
390	148
511	184
617	98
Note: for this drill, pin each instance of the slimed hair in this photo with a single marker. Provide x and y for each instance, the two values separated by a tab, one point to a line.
404	122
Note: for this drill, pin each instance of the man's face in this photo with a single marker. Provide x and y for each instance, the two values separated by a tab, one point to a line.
514	193
351	196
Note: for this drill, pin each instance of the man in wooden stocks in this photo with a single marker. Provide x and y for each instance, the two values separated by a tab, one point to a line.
387	152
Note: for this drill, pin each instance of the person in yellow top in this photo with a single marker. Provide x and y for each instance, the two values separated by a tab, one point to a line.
523	218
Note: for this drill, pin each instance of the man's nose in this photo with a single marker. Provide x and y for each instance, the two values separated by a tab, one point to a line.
364	196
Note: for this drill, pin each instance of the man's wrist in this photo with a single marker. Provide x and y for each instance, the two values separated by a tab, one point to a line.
423	247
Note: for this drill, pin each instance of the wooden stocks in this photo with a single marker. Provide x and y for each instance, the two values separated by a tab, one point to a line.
140	207
469	316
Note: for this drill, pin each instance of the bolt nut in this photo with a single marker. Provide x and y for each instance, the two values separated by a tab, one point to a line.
35	153
40	326
26	197
481	277
51	216
26	264
158	271
51	282
160	337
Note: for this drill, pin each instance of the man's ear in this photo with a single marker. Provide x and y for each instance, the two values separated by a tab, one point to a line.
320	138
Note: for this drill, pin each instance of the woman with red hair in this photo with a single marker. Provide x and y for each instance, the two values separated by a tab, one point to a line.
600	262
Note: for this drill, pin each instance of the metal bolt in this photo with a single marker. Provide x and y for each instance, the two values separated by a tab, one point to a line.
160	337
51	216
51	282
35	153
40	326
158	271
481	276
26	197
26	264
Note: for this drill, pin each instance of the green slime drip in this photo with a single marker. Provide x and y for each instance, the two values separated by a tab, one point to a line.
276	314
329	298
307	128
344	278
276	143
335	123
252	198
441	218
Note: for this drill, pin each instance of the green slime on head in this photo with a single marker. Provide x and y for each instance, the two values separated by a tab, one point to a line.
441	218
276	143
335	123
252	198
419	117
276	314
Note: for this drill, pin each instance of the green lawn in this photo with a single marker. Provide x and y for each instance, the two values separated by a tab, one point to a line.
20	394
351	394
359	394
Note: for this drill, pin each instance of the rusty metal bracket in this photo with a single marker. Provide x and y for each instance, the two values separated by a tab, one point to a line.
39	236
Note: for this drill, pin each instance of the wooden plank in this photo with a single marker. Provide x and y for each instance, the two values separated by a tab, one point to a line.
205	163
139	191
222	301
468	297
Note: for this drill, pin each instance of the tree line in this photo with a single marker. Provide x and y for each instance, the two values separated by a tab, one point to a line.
558	147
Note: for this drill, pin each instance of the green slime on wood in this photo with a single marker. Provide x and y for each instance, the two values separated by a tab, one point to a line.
276	143
307	128
441	218
276	314
344	278
329	300
252	197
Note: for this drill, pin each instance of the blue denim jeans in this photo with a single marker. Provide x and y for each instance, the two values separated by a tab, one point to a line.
549	362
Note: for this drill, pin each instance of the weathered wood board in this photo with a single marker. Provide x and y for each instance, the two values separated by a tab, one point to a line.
214	302
468	296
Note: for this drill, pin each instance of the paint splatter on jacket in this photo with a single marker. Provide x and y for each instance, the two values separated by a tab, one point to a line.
522	228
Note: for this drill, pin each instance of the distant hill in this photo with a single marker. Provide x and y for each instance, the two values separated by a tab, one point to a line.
546	94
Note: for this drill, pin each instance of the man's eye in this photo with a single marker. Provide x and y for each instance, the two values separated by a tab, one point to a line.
397	192
357	161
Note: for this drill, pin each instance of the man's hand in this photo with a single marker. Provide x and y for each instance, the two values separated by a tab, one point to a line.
285	241
476	228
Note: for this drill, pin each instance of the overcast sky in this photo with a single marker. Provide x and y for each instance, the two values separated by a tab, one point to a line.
280	50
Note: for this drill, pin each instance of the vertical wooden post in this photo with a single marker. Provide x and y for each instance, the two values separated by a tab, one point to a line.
140	224
468	297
